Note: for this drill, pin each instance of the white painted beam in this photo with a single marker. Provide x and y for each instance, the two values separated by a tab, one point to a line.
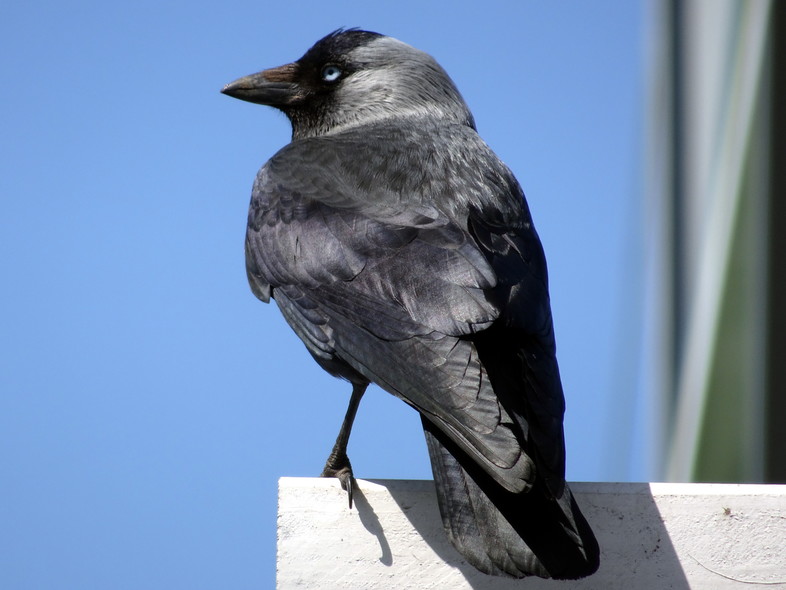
652	536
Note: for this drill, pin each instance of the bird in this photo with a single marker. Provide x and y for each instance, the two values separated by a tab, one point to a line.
401	250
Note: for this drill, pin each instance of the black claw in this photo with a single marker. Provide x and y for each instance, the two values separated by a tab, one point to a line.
339	467
347	485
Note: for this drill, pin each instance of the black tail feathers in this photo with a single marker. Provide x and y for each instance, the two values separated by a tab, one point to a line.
502	533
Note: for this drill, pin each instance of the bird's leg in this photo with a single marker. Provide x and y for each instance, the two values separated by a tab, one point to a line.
338	463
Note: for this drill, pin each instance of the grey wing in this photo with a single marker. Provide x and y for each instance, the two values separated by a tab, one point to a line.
519	350
394	291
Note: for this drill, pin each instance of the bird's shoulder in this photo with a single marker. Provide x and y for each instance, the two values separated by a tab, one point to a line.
391	166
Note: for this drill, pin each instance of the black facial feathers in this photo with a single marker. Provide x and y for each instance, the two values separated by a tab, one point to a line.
335	45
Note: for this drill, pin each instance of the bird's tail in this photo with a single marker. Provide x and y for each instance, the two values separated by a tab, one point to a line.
503	533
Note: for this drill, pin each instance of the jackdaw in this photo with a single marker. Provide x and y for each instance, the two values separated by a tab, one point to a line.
402	252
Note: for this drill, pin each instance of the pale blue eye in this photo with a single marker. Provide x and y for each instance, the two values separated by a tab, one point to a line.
331	73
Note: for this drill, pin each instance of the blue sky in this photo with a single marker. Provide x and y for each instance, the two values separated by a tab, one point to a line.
148	403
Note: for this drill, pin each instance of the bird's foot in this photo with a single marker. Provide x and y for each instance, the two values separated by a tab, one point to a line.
338	466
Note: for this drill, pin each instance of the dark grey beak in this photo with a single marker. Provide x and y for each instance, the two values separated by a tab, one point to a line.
275	87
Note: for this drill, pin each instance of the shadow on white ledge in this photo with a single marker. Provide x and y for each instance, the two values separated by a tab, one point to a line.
652	536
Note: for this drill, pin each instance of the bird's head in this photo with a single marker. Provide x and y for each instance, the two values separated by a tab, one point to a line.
353	77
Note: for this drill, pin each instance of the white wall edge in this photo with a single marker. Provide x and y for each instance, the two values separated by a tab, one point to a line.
652	535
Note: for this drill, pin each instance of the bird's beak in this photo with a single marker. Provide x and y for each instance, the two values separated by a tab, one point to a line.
275	87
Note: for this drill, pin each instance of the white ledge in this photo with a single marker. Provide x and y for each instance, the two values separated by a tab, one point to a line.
652	536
